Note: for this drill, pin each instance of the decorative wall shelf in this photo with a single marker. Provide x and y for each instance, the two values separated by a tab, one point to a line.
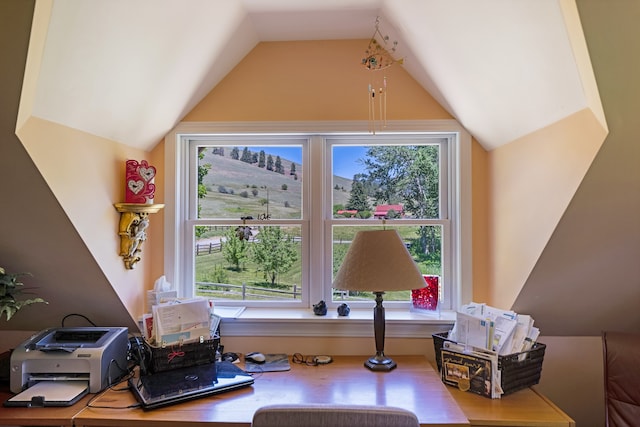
134	221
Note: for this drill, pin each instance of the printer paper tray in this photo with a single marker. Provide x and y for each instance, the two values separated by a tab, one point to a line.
50	393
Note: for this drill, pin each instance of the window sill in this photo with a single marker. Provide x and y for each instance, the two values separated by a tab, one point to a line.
359	323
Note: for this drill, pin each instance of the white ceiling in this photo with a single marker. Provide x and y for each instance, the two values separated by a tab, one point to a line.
129	70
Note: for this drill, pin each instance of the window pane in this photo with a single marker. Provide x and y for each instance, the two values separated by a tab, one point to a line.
386	181
249	181
424	243
257	263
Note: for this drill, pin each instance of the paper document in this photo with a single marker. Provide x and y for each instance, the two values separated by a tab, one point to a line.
531	339
50	393
181	321
524	323
228	312
473	331
502	334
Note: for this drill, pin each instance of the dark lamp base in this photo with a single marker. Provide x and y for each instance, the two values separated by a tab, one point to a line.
380	363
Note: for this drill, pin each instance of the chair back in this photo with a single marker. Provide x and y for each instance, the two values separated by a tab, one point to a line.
333	416
621	378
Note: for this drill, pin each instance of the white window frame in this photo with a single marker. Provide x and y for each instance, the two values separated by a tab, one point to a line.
176	211
448	203
240	140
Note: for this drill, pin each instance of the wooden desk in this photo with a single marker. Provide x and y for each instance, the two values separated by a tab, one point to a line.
522	408
413	385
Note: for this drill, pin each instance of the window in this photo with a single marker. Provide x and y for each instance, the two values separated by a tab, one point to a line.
248	219
393	181
264	218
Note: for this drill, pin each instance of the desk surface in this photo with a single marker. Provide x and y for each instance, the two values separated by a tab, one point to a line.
413	385
523	408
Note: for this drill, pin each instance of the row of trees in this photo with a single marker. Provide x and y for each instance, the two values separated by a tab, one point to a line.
263	159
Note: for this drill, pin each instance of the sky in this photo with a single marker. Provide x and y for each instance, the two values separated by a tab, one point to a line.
345	160
345	157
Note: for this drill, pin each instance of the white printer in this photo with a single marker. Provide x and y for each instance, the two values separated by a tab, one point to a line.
95	355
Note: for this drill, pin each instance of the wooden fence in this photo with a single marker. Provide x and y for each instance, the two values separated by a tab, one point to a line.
244	291
207	248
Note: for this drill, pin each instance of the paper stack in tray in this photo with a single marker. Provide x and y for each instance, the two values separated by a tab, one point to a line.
181	321
502	331
173	320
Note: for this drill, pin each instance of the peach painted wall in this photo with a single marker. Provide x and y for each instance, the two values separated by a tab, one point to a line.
480	221
311	81
154	267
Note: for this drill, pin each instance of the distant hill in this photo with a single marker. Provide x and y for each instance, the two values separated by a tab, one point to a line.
236	188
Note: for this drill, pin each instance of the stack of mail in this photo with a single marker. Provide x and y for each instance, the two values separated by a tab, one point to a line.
181	321
501	331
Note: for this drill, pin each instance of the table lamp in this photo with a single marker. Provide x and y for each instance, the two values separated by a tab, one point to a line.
378	261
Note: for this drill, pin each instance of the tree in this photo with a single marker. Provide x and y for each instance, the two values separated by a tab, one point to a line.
408	175
246	155
261	159
423	197
274	251
269	162
234	249
358	199
279	167
235	153
203	170
292	170
386	169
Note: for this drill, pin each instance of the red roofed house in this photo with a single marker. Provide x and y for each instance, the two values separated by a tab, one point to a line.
382	211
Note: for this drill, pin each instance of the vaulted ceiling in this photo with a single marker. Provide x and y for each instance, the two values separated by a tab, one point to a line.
130	70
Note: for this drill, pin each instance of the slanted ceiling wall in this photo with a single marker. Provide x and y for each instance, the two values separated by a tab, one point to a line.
588	277
59	238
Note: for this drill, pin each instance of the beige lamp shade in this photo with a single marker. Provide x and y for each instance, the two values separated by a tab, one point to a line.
378	261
